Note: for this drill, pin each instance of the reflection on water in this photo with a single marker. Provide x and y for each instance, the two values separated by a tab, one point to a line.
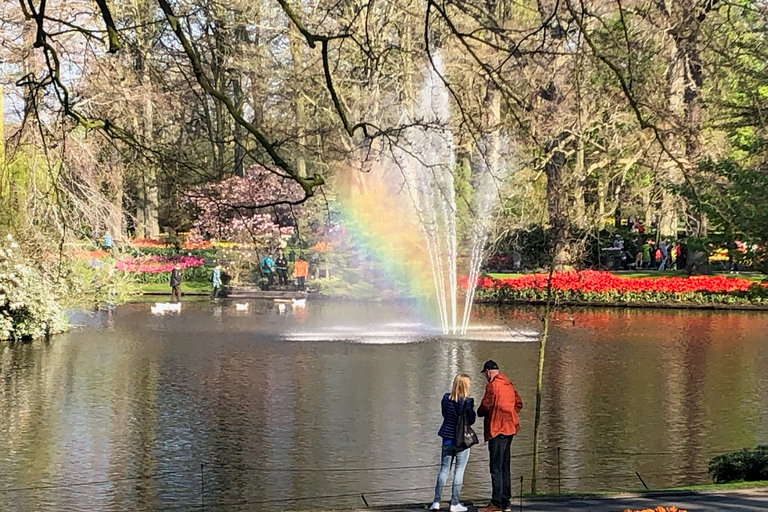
309	408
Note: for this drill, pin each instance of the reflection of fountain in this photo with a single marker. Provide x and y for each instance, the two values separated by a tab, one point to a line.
426	160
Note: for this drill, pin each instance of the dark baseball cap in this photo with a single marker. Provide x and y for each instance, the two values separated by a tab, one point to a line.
490	365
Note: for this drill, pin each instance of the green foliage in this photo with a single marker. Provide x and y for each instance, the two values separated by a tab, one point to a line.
188	274
94	285
744	465
338	288
733	197
28	171
208	254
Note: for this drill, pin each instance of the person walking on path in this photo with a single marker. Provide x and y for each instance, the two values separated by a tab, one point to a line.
454	405
268	269
499	407
216	281
176	283
282	269
300	271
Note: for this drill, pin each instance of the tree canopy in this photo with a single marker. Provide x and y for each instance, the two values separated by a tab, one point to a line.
601	108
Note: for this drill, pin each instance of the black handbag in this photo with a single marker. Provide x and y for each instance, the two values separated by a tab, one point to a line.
464	435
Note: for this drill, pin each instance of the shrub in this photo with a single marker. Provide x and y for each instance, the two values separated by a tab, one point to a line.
29	298
745	465
336	287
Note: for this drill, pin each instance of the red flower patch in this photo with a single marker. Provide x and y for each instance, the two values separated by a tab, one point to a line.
591	285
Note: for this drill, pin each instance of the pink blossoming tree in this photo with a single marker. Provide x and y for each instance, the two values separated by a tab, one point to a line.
253	208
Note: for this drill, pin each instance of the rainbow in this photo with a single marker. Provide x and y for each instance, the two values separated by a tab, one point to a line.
381	225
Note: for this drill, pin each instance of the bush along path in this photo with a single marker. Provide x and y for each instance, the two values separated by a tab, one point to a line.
591	287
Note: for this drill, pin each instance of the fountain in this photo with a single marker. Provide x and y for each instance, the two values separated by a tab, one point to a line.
425	158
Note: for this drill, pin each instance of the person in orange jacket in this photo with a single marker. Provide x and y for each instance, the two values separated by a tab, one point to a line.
300	271
499	407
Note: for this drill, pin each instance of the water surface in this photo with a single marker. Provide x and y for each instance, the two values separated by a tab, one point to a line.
258	410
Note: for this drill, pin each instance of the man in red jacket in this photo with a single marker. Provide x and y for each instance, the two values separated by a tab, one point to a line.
500	406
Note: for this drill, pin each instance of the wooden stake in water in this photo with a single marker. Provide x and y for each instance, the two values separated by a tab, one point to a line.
202	487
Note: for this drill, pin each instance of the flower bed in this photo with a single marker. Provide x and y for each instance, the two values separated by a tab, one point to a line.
157	264
657	509
604	287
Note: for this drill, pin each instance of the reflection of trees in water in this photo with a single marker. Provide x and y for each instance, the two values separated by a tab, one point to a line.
649	380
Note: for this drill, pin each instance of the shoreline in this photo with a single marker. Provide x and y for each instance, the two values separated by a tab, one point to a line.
634	305
499	302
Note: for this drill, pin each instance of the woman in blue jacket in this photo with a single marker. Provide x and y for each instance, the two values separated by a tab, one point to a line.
454	404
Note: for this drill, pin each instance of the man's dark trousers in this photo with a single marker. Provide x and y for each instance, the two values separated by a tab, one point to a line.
501	481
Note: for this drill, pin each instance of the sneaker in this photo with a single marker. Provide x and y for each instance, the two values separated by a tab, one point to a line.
490	508
435	506
458	508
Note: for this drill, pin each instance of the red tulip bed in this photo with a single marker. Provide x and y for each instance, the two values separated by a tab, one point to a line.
591	286
157	264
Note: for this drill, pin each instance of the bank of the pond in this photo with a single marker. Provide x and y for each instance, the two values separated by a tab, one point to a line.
576	289
592	288
203	289
742	497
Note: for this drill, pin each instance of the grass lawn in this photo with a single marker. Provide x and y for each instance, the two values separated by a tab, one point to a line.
186	287
654	274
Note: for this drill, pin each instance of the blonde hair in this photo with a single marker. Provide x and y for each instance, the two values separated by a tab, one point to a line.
460	387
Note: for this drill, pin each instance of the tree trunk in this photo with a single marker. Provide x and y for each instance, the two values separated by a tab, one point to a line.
299	102
151	225
579	176
668	215
556	207
237	92
602	191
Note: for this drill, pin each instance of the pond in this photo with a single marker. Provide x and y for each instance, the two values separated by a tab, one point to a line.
311	407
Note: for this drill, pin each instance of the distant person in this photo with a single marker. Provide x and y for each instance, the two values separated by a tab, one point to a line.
268	269
640	228
516	260
647	254
108	242
315	261
499	407
664	249
454	405
300	272
682	257
176	283
281	264
216	281
618	243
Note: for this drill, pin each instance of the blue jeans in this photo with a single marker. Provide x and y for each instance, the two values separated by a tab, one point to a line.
447	457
